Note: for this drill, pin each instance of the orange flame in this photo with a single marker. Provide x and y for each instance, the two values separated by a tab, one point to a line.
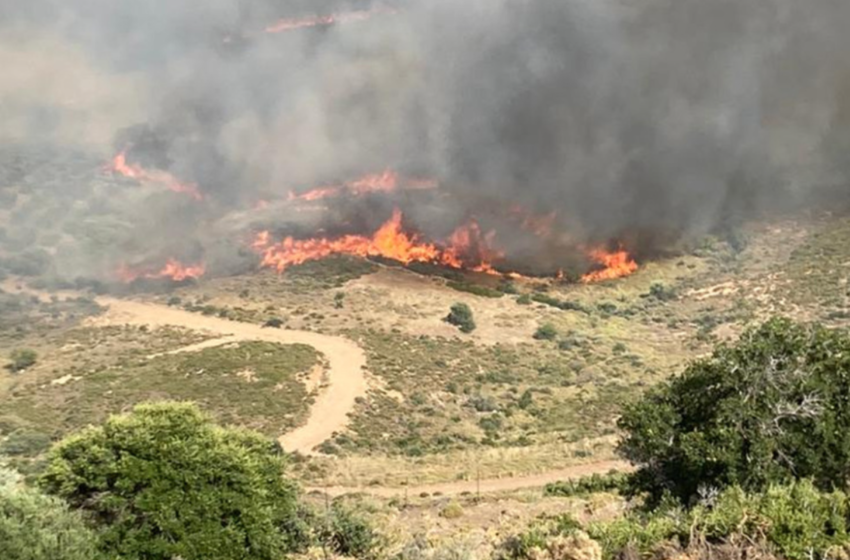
135	171
389	241
321	21
173	269
387	181
468	240
617	265
379	182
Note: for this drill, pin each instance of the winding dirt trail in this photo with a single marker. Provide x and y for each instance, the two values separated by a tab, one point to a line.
334	402
331	409
347	361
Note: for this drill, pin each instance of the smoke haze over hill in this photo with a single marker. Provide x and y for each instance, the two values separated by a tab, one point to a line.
642	123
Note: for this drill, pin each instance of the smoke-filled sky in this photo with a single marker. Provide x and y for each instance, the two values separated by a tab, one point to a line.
644	121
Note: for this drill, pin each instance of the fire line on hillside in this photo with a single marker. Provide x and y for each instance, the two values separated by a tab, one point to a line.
466	248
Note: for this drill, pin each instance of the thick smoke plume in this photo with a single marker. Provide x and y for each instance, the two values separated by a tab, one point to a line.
644	123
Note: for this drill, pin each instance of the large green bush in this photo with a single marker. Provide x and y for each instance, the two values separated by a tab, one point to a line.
773	407
797	521
348	534
461	316
794	521
164	482
38	527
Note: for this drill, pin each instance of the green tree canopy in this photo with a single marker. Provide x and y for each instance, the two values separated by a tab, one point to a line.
773	407
164	482
38	527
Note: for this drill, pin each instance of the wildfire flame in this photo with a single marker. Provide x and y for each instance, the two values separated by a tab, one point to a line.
135	171
325	20
389	241
617	265
387	181
173	269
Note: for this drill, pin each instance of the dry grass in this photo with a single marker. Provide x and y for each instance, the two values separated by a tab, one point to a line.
441	399
469	464
98	371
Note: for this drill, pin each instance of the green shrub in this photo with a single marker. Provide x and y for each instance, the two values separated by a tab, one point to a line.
794	521
273	323
607	307
508	287
38	527
546	331
637	534
492	423
524	299
555	302
483	404
461	316
349	534
22	358
526	400
797	520
611	482
772	408
452	510
163	481
661	292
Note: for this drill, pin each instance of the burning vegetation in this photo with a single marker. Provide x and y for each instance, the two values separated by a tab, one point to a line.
120	166
539	150
466	248
173	270
614	265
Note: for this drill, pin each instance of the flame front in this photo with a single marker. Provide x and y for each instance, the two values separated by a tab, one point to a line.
617	265
385	182
389	241
173	269
135	171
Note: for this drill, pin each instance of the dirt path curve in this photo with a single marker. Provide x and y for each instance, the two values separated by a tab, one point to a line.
487	486
347	361
332	406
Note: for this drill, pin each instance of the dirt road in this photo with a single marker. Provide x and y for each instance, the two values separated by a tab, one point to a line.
346	377
487	486
329	413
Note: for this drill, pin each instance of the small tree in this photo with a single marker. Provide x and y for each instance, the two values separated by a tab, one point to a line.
38	527
273	323
461	317
773	407
546	331
22	358
164	482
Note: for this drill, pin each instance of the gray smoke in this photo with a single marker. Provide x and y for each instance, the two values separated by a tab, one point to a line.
646	122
